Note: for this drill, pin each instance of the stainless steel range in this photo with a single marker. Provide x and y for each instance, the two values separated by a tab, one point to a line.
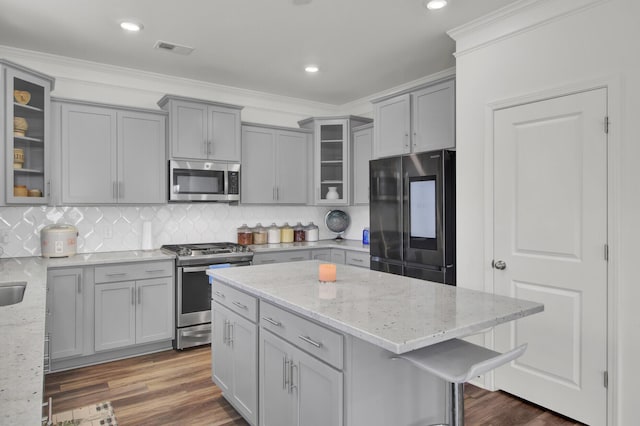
193	291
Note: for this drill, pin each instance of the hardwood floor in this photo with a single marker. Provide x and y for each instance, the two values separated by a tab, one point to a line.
175	388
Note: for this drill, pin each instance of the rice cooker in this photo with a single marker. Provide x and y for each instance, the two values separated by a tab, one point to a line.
58	240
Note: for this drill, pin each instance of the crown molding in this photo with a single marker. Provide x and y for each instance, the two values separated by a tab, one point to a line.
99	74
516	18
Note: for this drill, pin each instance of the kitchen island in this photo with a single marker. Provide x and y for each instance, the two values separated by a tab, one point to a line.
328	347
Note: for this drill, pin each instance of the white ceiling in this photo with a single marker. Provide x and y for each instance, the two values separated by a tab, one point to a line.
361	46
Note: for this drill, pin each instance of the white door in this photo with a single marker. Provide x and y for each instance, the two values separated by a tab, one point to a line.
550	189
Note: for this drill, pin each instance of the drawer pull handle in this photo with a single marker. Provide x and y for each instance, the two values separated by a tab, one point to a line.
220	294
240	305
298	258
357	260
310	341
272	321
155	271
118	274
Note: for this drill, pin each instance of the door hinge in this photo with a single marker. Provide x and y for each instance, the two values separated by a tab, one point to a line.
606	252
606	124
606	379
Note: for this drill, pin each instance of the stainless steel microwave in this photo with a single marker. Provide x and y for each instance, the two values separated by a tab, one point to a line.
203	181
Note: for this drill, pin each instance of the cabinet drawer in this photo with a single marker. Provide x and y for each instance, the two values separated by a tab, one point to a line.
283	256
133	271
236	300
357	258
313	338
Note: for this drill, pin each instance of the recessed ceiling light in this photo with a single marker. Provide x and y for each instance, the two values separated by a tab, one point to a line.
435	4
131	26
311	68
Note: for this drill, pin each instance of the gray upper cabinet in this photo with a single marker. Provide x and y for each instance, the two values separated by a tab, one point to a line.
362	141
393	126
274	165
202	130
421	119
332	157
111	155
25	128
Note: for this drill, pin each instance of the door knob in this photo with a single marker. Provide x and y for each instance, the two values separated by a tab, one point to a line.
500	264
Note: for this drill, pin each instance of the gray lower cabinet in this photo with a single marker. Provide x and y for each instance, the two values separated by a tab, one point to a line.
65	310
235	359
337	256
321	254
133	312
274	164
296	388
356	258
110	154
234	348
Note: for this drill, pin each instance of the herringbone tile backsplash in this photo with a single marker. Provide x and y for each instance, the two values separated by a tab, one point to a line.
120	228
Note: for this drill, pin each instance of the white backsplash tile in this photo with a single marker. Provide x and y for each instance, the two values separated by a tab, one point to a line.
114	228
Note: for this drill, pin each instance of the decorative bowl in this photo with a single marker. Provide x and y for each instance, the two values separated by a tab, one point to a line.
22	96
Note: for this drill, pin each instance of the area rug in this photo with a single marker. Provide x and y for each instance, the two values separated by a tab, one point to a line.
92	415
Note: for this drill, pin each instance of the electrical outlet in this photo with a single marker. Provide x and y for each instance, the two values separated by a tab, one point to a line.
108	231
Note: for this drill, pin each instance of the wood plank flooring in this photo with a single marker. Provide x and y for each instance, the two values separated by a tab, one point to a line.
175	388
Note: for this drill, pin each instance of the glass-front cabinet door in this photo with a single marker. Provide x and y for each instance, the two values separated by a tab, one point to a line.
332	161
27	137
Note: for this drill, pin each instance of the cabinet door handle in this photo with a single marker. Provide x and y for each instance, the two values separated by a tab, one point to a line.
120	189
277	193
139	295
230	339
240	305
224	332
310	341
292	365
114	190
48	188
133	296
285	375
272	321
79	283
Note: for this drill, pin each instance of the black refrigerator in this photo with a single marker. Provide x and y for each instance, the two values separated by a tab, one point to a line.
412	215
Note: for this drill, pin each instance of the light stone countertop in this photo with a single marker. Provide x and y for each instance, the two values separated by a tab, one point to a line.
22	327
353	245
396	313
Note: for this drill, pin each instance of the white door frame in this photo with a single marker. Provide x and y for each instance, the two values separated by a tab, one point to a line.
613	85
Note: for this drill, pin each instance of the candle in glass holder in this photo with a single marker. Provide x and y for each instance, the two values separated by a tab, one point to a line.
327	272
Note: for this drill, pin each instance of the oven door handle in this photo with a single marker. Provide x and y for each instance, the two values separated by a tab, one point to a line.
195	268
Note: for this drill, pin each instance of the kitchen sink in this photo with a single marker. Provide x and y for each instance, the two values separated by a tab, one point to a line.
12	292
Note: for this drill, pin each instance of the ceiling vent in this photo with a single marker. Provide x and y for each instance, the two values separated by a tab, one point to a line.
172	47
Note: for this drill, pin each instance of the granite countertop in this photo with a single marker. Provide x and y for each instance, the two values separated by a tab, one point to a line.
396	313
23	325
354	245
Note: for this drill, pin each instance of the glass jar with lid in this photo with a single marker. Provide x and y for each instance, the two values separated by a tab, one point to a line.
259	234
286	233
273	234
298	233
245	235
311	232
